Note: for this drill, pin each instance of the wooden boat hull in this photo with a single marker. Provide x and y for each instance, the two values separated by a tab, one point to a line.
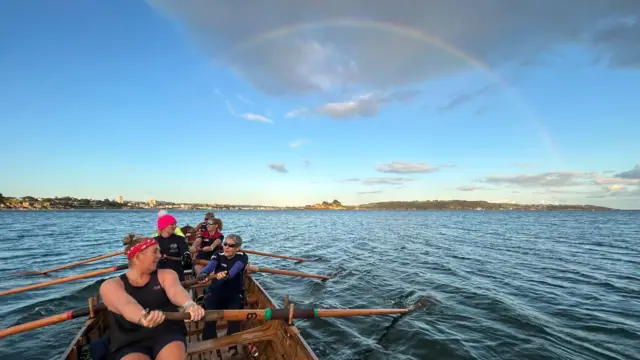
271	339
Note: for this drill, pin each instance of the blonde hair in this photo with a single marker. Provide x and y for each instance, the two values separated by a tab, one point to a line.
132	239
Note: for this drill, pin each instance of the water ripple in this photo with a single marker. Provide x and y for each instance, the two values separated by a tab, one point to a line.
506	285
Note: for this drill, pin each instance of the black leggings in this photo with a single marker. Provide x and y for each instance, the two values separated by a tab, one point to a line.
213	302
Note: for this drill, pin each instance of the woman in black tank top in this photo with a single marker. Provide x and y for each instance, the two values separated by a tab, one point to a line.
136	301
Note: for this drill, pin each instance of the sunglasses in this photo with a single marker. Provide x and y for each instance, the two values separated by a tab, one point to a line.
210	223
229	245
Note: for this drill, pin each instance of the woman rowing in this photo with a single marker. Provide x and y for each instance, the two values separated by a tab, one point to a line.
226	290
136	301
209	241
172	245
202	227
177	231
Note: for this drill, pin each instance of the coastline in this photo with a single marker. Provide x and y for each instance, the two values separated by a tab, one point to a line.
69	203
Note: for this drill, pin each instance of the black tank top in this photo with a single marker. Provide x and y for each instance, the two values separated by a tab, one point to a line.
151	296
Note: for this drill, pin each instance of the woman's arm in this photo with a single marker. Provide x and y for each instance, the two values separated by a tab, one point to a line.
177	294
210	267
117	300
236	269
171	285
196	244
216	243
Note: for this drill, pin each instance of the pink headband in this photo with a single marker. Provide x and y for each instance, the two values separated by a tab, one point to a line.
135	249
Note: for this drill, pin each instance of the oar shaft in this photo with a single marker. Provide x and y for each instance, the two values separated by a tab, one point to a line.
283	314
64	280
215	315
254	252
34	325
254	268
106	256
51	320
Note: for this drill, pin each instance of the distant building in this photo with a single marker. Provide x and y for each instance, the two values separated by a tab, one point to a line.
152	202
120	199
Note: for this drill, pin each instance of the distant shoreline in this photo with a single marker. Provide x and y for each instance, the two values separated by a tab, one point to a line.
69	203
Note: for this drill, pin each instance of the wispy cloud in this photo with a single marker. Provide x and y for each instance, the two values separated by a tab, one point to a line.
363	106
400	167
296	144
369	192
230	108
247	116
380	181
469	96
548	179
244	100
473	188
307	164
256	117
278	167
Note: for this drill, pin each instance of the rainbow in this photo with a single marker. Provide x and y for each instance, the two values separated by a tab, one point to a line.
414	33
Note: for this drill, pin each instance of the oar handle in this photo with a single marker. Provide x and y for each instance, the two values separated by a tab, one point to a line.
65	280
106	256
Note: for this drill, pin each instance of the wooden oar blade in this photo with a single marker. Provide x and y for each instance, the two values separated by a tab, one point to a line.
422	302
29	273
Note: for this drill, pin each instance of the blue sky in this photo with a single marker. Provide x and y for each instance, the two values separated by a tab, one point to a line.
248	104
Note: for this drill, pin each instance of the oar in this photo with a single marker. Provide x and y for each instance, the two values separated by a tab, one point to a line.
254	252
254	268
64	280
51	320
286	314
46	271
217	315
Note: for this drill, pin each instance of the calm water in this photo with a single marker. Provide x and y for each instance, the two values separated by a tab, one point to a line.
509	285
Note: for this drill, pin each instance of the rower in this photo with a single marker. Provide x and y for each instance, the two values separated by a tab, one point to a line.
209	241
178	231
136	301
172	245
226	290
202	227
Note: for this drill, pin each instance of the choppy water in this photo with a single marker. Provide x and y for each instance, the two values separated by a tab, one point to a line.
509	285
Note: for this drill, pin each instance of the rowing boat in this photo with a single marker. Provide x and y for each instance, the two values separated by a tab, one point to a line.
258	339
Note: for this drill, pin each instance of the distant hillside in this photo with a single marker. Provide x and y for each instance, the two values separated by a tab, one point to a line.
470	205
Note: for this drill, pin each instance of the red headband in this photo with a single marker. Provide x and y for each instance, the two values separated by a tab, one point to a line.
135	249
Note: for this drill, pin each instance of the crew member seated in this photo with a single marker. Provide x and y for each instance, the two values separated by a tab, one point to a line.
136	302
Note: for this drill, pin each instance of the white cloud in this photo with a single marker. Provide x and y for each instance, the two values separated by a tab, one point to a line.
548	179
363	106
380	181
303	47
296	144
400	167
256	117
